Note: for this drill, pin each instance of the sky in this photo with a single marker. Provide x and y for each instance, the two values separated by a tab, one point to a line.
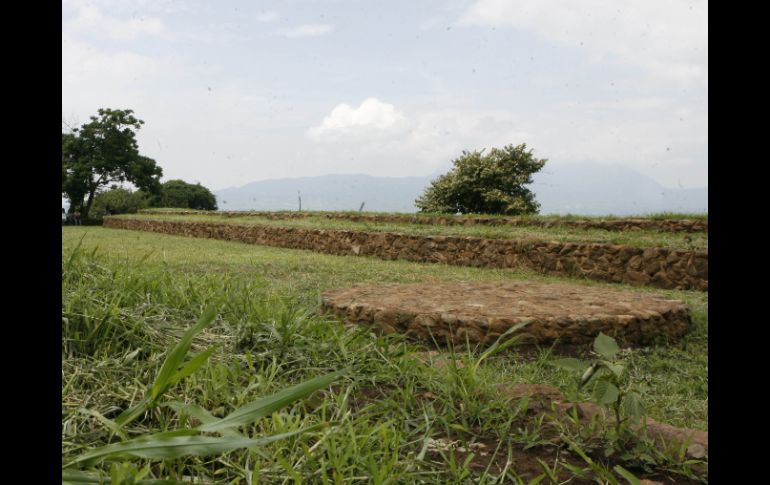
233	92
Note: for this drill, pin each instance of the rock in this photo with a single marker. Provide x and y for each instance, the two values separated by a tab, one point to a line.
434	359
671	435
540	396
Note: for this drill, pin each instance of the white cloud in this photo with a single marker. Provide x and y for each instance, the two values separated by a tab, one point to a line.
372	118
669	39
267	16
92	19
308	30
83	64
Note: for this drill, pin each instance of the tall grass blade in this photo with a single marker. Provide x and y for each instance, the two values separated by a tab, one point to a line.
177	355
264	407
632	480
192	366
176	444
501	344
201	415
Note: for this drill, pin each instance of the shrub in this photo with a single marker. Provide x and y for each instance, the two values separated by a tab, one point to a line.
486	184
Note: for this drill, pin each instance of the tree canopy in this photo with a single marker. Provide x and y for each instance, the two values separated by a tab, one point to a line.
485	184
102	152
178	193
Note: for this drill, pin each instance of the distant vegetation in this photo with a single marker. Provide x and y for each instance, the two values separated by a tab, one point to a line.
119	201
178	193
488	184
104	152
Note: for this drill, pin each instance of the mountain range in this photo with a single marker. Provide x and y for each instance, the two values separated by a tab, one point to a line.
586	189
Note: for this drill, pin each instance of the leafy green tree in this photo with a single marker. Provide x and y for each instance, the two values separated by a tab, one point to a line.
486	184
178	193
101	152
119	201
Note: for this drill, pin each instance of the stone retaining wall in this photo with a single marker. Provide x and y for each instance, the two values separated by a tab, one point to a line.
663	225
658	267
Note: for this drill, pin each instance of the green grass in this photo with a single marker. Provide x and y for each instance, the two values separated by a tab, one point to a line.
640	238
129	296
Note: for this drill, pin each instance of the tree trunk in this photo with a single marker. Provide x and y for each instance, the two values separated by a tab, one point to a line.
87	208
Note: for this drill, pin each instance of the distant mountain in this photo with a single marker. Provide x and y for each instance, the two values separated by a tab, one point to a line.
587	189
593	189
326	192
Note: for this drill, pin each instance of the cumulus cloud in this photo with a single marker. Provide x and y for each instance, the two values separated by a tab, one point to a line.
372	118
669	39
308	30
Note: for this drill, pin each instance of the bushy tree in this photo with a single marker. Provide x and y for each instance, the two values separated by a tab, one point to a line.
101	152
178	193
485	184
119	201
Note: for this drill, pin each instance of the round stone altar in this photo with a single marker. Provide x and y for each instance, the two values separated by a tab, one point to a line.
481	312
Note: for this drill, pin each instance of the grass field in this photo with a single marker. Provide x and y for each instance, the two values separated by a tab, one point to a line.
640	238
128	297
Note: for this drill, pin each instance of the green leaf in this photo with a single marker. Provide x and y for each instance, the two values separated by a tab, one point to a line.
176	444
192	366
606	392
177	355
633	405
606	346
570	364
616	369
201	415
266	406
632	480
133	412
77	477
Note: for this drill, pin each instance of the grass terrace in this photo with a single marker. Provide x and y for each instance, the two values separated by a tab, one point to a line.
638	238
128	297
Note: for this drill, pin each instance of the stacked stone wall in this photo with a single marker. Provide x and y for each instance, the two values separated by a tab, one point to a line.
635	224
657	267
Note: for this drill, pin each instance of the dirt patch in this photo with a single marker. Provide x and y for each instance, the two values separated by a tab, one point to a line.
481	312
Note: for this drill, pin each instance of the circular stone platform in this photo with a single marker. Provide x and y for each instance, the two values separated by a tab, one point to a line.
482	311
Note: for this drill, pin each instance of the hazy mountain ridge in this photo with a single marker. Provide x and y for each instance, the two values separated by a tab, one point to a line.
589	189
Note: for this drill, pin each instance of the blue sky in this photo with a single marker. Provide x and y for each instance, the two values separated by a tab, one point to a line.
233	92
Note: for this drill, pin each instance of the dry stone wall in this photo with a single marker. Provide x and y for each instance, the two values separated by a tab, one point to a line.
657	267
663	225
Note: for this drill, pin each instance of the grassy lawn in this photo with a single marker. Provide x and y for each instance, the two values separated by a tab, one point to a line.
640	238
129	296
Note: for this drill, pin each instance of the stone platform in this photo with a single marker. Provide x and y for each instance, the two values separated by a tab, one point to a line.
481	312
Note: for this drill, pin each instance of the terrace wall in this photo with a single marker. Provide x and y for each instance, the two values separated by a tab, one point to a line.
658	267
663	225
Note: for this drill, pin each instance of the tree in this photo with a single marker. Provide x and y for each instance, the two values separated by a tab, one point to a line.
101	152
485	184
178	193
119	201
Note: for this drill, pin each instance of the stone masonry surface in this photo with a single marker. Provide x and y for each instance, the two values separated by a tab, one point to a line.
664	225
657	267
481	312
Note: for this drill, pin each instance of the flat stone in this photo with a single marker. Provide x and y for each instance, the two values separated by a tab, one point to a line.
481	312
